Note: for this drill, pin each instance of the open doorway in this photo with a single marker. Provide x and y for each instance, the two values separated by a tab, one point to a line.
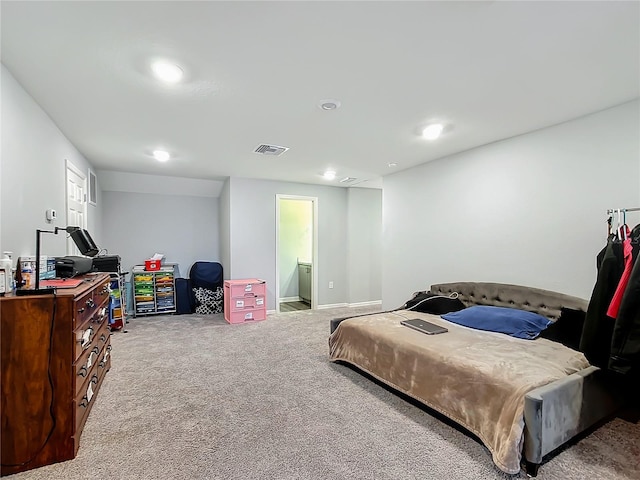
296	253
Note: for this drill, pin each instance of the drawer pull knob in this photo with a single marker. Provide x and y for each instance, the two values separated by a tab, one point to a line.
84	402
94	379
82	372
91	303
80	310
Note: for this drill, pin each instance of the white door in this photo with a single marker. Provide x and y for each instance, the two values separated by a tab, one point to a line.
76	203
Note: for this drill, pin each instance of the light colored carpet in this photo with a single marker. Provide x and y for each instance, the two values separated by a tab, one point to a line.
191	397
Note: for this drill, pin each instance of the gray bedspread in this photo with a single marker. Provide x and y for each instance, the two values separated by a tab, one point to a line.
478	379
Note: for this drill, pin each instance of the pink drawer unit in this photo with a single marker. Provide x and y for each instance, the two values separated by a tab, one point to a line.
244	300
248	315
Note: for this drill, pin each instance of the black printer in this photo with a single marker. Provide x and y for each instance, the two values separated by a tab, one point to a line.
106	263
72	266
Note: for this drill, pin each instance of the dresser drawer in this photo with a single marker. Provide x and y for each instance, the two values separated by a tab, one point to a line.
247	315
240	288
86	306
84	401
92	333
95	354
101	294
249	302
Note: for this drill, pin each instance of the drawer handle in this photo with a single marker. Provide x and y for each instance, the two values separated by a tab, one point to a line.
86	337
80	310
91	303
84	403
103	337
82	372
94	379
105	357
100	316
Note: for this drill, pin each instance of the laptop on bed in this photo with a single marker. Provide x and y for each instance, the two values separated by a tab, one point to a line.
424	326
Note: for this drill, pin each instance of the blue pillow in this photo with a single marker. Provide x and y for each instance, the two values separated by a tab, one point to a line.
514	322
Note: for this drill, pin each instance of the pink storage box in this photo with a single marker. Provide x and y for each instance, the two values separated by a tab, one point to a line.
249	315
247	286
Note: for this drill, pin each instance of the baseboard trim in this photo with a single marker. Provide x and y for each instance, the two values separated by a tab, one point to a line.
366	304
350	305
332	305
290	299
270	312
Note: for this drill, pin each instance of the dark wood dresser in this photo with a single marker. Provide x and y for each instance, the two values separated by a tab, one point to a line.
55	354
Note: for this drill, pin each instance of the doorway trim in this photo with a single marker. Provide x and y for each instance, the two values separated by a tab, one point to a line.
314	260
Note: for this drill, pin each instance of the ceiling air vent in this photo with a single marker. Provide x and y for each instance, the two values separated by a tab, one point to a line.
348	179
265	149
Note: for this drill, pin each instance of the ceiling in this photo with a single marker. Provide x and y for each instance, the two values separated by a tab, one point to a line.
255	73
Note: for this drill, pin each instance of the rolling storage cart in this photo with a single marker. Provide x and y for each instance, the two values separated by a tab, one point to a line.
154	292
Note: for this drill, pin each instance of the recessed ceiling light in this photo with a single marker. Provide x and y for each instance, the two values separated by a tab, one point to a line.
392	164
161	155
330	104
433	131
167	72
329	175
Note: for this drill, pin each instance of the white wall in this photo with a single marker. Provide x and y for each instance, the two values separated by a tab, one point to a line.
32	162
365	244
224	213
296	243
529	210
253	234
184	228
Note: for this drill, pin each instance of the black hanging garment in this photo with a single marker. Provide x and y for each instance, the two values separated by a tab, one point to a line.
625	343
597	332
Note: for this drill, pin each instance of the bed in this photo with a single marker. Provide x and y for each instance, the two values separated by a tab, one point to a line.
521	398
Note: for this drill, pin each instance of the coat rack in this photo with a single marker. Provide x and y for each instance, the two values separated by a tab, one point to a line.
620	212
615	210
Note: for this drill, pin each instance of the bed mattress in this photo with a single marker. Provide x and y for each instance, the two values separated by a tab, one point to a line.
476	378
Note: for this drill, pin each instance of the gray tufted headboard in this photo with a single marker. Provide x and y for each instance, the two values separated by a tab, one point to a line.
544	302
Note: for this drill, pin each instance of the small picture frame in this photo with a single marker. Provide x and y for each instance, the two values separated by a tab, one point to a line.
93	188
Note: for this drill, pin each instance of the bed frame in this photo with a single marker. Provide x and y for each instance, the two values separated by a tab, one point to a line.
554	413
